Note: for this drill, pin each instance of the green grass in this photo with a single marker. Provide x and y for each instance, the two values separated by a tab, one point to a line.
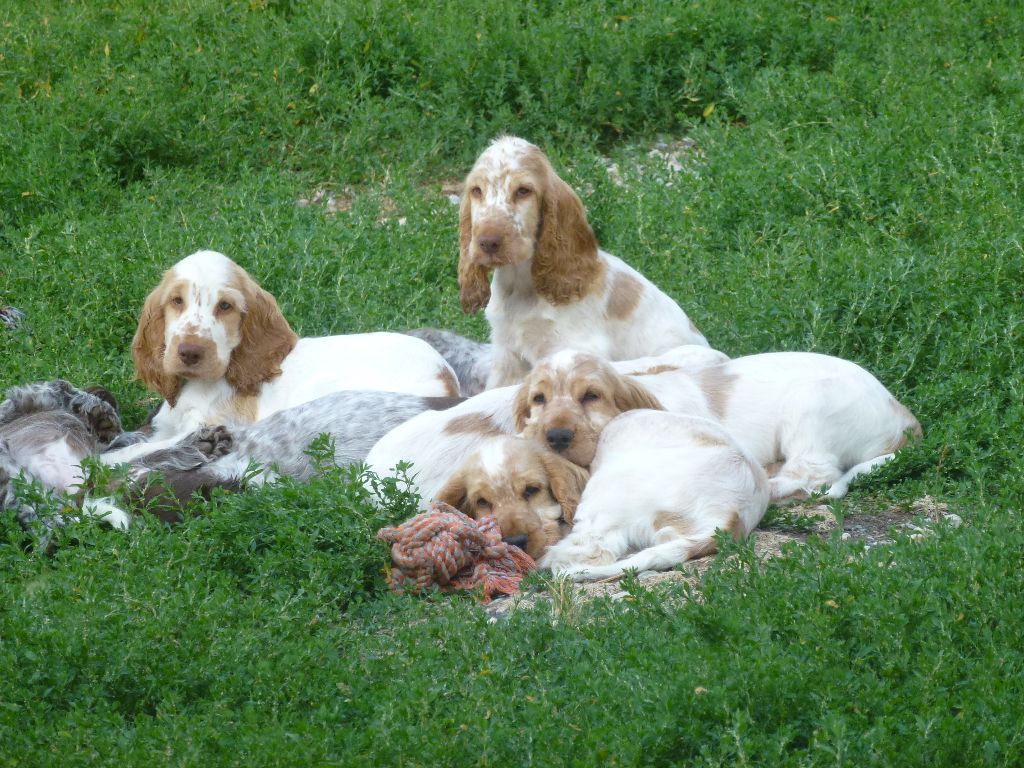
856	192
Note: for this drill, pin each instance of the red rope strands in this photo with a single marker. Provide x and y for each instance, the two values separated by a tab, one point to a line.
450	550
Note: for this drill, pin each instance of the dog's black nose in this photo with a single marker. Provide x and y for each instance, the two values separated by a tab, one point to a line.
489	244
190	354
519	540
559	438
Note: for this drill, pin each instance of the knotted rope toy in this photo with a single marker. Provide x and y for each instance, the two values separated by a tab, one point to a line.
450	550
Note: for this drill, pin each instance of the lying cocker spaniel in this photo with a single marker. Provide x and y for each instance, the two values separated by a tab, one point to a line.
531	491
218	349
661	484
552	287
813	420
436	443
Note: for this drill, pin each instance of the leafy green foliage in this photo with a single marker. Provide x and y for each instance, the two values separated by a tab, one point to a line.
854	189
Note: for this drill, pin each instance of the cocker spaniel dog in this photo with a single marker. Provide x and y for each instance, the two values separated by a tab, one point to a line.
219	350
531	491
661	484
552	287
437	442
811	419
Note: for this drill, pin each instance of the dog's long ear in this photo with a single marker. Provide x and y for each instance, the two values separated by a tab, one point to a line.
567	481
521	406
266	340
474	286
630	395
565	263
149	346
454	493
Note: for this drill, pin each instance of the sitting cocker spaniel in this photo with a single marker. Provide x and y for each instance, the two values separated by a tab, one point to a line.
552	287
219	350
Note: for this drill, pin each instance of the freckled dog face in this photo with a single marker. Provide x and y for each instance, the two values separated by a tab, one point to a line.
202	325
567	399
503	193
567	407
526	492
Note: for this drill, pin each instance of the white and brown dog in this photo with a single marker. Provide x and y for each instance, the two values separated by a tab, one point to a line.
661	485
811	419
552	287
219	350
531	491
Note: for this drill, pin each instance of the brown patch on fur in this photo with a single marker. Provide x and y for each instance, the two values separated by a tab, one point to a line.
632	395
565	266
709	440
242	408
672	520
774	468
683	528
454	492
449	382
912	430
735	527
473	424
266	339
624	296
474	282
148	344
567	482
654	371
717	386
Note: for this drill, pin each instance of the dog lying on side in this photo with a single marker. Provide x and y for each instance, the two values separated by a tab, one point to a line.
661	485
46	431
813	420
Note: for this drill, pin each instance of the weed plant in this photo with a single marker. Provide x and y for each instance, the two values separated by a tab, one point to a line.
854	188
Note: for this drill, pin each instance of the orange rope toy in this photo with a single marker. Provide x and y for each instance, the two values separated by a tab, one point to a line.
446	548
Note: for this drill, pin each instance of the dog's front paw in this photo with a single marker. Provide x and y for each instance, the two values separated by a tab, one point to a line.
98	415
213	442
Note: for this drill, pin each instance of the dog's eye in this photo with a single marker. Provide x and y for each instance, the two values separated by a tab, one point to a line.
177	301
483	503
530	491
539	398
523	192
476	191
224	306
590	396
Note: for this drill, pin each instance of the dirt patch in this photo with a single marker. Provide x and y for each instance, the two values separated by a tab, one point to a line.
791	525
331	200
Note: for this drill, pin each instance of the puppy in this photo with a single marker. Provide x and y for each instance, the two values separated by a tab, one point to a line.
552	288
818	420
661	485
46	430
531	491
216	346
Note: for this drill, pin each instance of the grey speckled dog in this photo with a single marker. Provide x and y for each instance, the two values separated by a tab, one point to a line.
46	429
218	456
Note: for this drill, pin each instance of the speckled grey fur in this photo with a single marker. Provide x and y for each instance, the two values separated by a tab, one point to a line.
355	420
471	360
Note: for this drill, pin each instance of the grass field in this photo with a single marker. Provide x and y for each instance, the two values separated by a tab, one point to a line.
855	189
